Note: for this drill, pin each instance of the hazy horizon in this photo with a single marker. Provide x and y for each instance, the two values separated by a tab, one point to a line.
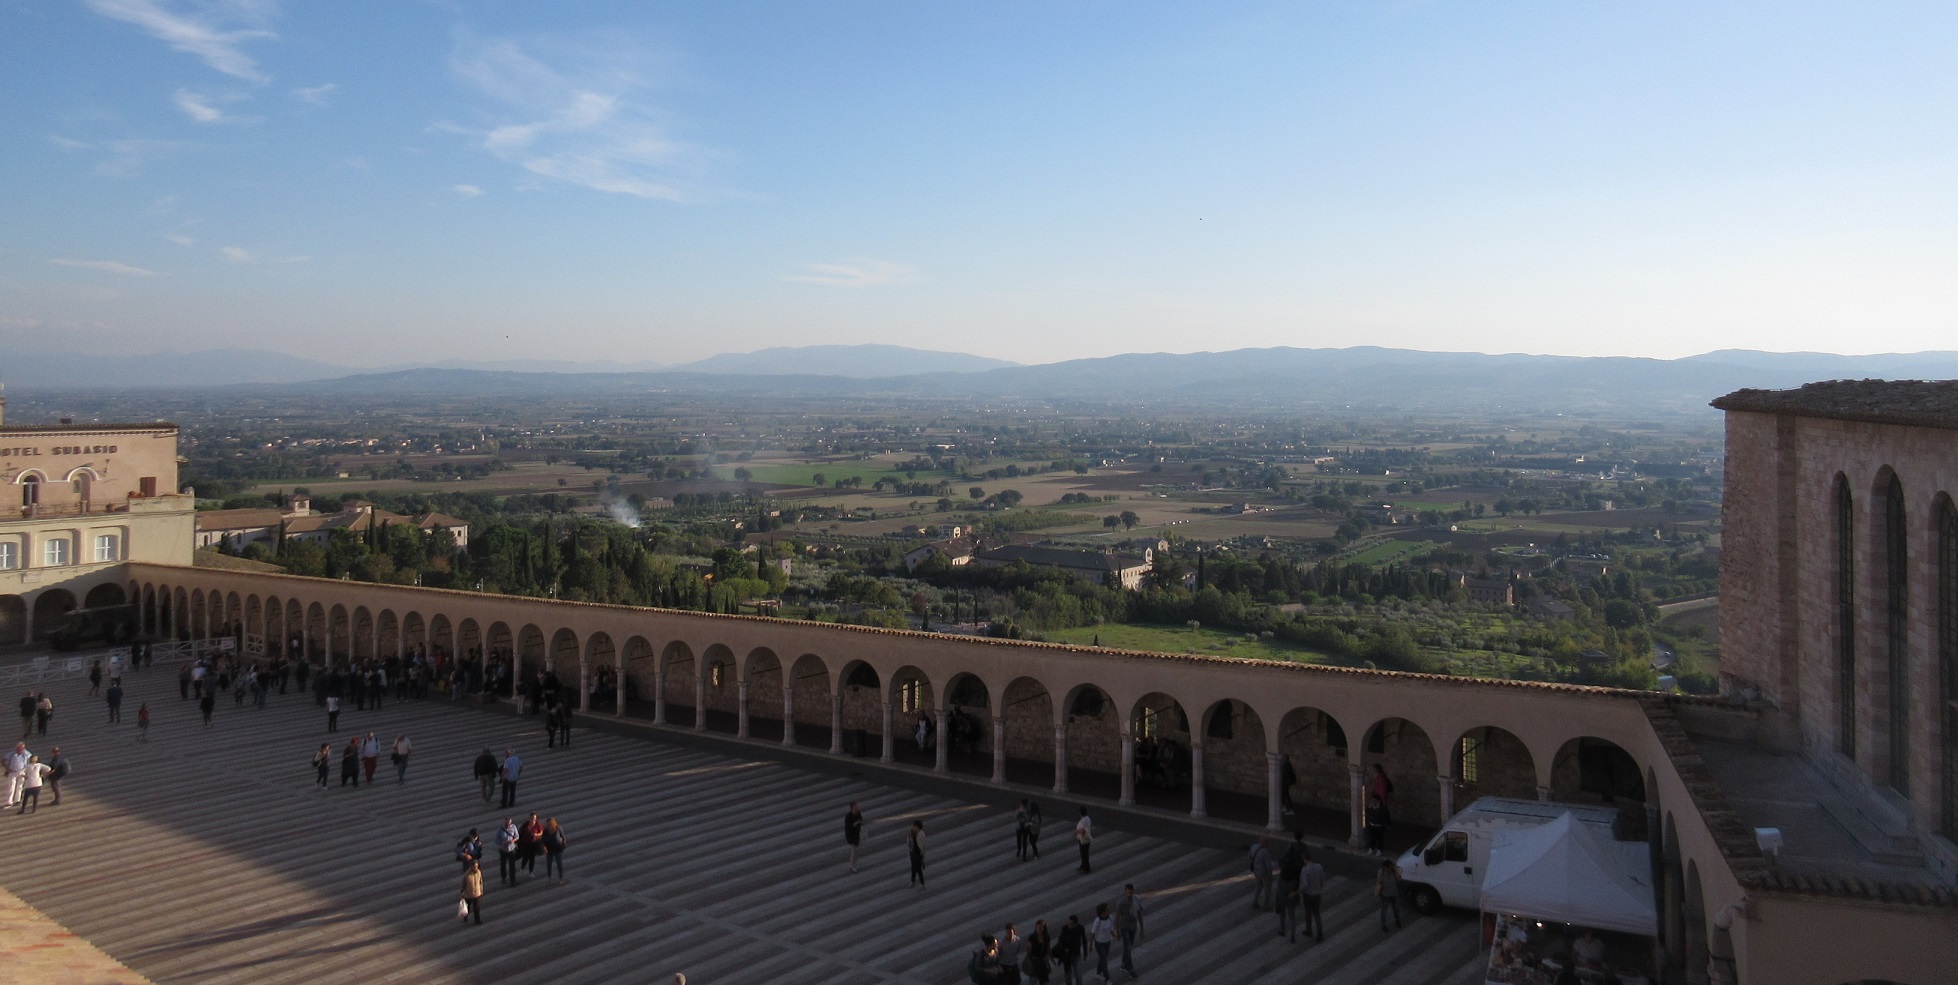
373	184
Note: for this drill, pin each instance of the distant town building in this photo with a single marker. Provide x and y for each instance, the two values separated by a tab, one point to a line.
238	529
1102	569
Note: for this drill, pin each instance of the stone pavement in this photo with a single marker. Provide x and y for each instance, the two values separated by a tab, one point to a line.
209	857
38	950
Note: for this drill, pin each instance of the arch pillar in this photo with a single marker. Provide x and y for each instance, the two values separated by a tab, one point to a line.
890	739
1445	787
941	749
1274	790
999	748
1060	759
1198	807
584	683
618	679
788	709
741	720
516	669
700	698
836	722
1127	798
1543	794
659	692
1356	785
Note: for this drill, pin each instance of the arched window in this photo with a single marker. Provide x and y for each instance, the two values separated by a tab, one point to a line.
1948	657
30	490
1845	620
1896	610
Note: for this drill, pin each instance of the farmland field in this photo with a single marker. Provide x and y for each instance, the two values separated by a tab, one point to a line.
1179	639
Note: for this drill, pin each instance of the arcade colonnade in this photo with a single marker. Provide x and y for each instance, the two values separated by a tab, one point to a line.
1072	718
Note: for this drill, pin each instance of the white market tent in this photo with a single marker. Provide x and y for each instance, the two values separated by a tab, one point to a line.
1564	871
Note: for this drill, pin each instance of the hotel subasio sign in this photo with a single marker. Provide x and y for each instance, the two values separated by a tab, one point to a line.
52	451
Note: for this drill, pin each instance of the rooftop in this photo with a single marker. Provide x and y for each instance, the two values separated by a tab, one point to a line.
85	427
1916	403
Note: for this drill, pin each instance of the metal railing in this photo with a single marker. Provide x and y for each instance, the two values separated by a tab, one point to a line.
40	670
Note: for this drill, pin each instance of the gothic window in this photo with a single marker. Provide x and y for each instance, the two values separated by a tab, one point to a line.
1845	620
1896	572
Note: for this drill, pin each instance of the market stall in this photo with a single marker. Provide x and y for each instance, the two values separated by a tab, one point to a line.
1566	898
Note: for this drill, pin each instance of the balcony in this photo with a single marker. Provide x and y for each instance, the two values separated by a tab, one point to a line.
50	511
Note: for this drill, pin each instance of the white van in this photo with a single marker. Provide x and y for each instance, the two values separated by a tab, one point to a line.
1447	871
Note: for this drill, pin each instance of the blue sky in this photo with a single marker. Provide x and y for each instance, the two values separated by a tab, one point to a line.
382	181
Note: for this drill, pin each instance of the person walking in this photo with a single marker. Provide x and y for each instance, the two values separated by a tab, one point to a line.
16	765
1387	886
1011	949
43	711
207	704
370	756
114	697
323	763
853	832
399	756
57	769
1312	887
564	724
1040	953
95	677
1262	871
1289	873
511	769
506	851
914	843
350	764
550	728
183	682
1102	933
553	843
486	770
1376	824
470	848
35	777
472	891
1070	949
530	835
143	721
1084	837
27	715
1020	831
1033	829
333	713
1128	921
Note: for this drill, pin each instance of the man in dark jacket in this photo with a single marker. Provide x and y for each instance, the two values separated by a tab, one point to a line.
1070	949
486	767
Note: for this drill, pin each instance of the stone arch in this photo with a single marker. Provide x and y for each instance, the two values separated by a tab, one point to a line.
598	687
1161	727
1889	673
215	622
196	613
563	658
1695	916
1314	744
151	620
531	648
106	594
298	621
362	643
414	632
181	614
13	620
338	633
1947	663
1672	896
441	638
469	640
718	687
234	614
861	690
1588	769
1026	719
49	607
678	697
635	686
968	724
274	626
1236	774
387	628
1402	750
760	695
911	696
808	703
501	644
255	621
1490	761
1093	727
1845	616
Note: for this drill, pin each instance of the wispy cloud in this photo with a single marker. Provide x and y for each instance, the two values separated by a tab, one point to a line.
213	30
181	240
237	254
576	112
197	107
106	266
317	95
466	191
127	157
69	143
854	272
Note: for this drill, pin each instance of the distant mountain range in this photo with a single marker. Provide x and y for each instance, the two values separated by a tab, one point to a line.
1360	378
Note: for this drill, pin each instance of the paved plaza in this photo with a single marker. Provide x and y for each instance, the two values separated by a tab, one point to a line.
209	857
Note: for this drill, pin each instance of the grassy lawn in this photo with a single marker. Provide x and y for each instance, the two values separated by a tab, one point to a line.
1177	639
1391	551
805	475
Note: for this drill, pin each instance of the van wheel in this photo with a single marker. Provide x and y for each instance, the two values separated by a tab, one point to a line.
1424	899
